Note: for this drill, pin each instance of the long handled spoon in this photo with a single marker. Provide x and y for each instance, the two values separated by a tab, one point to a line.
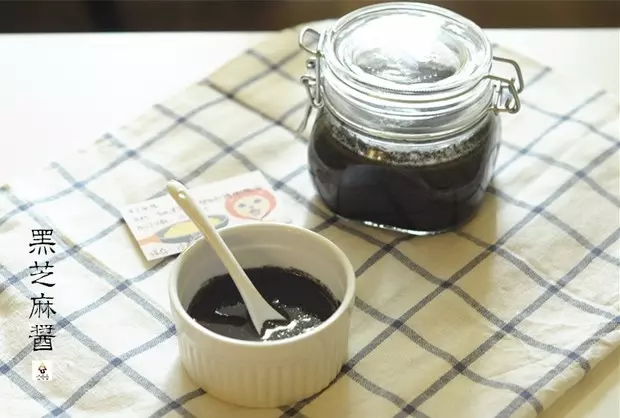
259	309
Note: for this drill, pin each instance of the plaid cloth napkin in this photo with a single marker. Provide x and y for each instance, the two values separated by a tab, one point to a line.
498	319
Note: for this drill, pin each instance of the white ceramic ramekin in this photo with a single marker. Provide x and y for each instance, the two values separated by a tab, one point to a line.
273	373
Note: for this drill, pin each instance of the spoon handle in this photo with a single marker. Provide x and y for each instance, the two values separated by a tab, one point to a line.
248	292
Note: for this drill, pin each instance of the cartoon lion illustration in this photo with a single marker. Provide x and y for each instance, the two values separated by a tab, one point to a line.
253	204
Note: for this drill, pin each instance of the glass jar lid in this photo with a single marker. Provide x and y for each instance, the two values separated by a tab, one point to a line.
407	48
391	69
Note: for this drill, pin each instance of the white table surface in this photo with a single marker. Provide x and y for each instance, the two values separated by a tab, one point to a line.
61	92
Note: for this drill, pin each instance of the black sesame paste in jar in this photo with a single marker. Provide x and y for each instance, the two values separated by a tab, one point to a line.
406	134
431	192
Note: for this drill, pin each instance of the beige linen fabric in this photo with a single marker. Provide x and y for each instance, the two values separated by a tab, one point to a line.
496	320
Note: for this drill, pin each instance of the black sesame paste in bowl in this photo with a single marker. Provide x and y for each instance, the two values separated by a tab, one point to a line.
302	299
406	134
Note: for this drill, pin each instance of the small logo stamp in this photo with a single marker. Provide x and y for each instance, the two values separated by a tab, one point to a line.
42	370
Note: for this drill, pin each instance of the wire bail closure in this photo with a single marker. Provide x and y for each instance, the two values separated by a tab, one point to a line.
506	96
312	78
512	103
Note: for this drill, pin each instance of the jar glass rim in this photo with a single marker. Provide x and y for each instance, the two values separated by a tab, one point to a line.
471	75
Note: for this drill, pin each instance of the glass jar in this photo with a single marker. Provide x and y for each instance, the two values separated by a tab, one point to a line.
407	126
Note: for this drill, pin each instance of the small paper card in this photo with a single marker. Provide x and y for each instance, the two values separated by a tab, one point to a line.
161	228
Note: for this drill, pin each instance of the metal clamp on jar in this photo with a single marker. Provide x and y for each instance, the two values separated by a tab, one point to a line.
408	125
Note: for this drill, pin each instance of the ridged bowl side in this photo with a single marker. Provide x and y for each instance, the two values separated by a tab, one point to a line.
263	385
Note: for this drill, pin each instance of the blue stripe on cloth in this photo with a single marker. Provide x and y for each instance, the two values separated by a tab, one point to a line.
583	241
127	370
166	409
10	279
277	184
378	390
26	387
101	202
136	155
97	349
297	414
277	67
514	406
378	255
471	301
211	161
541	74
554	126
271	67
259	112
231	93
554	196
444	355
291	411
531	273
477	306
587	125
442	285
524	314
589	181
97	377
325	224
